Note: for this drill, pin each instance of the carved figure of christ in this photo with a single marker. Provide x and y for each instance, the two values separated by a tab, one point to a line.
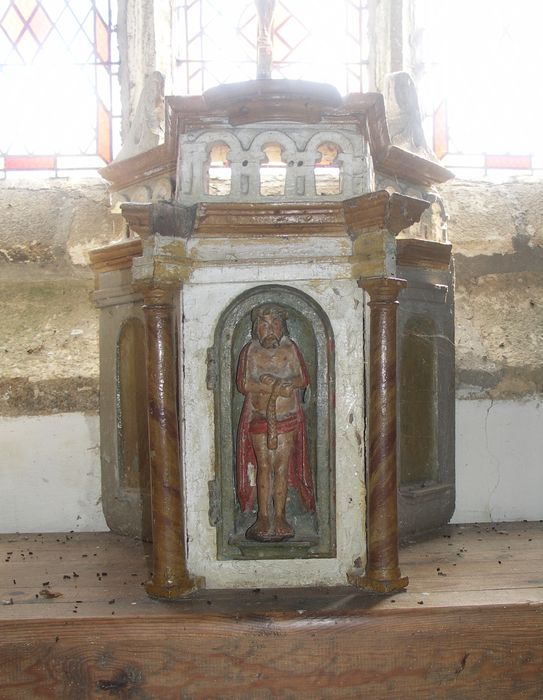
271	372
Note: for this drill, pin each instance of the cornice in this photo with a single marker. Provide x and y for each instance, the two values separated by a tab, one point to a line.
387	158
375	210
392	212
160	161
416	252
118	256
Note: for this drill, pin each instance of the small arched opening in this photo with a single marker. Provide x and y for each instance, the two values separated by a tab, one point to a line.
273	171
219	172
328	170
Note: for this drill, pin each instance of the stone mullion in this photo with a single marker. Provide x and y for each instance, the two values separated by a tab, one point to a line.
382	573
170	578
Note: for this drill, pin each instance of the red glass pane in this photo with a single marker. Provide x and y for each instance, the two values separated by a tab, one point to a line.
30	163
510	162
441	131
104	133
101	39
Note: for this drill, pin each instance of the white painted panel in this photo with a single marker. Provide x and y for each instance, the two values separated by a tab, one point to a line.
50	474
202	305
499	460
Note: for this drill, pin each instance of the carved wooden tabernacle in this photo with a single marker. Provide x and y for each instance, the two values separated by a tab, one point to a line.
283	195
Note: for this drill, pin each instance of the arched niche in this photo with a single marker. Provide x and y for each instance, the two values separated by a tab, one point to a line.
426	426
310	329
133	471
419	465
132	401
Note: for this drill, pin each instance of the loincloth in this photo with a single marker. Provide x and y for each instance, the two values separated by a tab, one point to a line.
259	426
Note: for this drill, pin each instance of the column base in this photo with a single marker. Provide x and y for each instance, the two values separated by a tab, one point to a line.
374	585
164	591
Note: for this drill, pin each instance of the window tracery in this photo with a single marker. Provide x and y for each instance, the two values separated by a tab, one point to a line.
58	63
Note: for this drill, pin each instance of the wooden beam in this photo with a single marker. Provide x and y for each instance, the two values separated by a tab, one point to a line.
470	625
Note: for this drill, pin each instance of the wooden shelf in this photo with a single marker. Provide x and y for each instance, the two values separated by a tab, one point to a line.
469	626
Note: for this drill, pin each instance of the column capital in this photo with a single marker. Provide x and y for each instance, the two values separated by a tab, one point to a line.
382	289
157	295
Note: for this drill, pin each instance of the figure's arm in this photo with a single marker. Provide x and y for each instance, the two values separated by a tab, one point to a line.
245	383
300	377
241	374
264	386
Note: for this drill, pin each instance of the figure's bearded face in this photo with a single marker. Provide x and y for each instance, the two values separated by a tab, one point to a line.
269	331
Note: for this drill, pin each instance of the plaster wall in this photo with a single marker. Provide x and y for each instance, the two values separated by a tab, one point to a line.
498	460
50	474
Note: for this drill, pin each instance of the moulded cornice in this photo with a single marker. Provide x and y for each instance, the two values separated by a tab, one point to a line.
160	161
416	252
381	210
118	256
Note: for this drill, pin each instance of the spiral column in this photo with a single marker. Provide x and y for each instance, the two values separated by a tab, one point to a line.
170	577
382	574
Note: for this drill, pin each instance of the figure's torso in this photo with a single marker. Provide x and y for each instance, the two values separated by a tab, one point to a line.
281	362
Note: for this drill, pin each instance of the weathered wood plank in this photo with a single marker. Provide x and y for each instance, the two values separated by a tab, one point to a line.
472	629
472	653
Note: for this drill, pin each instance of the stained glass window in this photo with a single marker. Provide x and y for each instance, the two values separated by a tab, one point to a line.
479	78
322	41
58	68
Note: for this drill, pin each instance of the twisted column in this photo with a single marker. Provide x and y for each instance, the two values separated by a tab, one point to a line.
170	577
382	573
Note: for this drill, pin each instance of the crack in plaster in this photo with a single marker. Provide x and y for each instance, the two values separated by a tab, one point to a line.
496	460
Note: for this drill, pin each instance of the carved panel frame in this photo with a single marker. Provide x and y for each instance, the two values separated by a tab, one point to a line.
322	443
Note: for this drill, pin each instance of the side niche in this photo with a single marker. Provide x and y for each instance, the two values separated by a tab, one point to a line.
124	441
418	404
133	470
274	492
133	439
426	464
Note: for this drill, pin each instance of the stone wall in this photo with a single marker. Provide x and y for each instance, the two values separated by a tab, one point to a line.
497	234
49	342
49	354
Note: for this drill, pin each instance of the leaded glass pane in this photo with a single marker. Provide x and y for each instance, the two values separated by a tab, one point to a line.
321	41
480	63
59	58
